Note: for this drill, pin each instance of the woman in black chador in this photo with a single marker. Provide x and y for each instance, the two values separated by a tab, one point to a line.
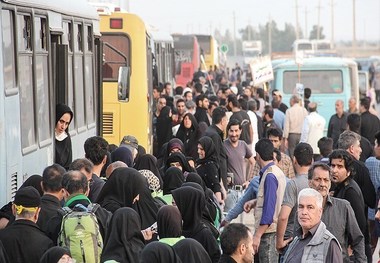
63	150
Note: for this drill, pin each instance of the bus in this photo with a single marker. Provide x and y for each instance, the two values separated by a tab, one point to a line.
187	58
47	49
127	77
209	50
329	79
163	54
303	48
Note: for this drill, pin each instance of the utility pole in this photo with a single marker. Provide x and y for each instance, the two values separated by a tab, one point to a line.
319	20
297	23
270	36
249	30
234	35
306	12
332	24
353	27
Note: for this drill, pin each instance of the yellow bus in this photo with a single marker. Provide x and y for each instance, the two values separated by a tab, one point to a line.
209	50
127	78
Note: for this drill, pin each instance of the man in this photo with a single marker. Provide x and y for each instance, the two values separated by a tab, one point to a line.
53	195
278	116
188	95
268	203
256	123
303	158
237	244
181	110
285	164
131	143
96	150
373	165
314	243
325	146
353	123
202	107
241	115
215	132
269	122
306	100
337	123
23	241
294	118
370	124
313	128
85	166
277	96
237	151
341	163
167	89
190	106
352	106
350	142
344	227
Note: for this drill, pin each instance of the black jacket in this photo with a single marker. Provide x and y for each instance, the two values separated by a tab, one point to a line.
23	241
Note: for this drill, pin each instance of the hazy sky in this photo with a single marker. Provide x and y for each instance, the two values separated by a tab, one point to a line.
198	16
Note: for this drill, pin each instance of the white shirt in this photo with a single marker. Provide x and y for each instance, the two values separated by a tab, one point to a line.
312	130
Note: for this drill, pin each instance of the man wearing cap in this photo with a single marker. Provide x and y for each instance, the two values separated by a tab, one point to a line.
277	96
23	241
131	143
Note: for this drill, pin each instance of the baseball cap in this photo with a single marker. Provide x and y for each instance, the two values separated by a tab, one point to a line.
27	197
130	141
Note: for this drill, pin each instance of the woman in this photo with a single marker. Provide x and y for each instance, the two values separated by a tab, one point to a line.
191	203
169	225
178	160
189	134
173	179
191	251
157	252
63	148
126	187
149	162
56	255
207	166
124	240
164	127
122	154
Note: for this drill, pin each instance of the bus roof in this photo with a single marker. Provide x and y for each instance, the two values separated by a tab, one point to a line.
160	36
79	8
313	62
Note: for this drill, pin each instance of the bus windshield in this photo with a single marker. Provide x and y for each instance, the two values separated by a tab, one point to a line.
116	53
319	81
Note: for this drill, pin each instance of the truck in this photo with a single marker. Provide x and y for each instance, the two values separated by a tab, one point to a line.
251	49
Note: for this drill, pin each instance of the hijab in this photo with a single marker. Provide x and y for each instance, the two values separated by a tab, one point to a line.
124	240
191	251
149	162
173	179
175	143
60	110
122	154
63	148
189	136
191	203
54	254
169	222
157	252
179	157
210	150
120	190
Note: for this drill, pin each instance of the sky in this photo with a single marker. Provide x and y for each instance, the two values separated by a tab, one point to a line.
199	16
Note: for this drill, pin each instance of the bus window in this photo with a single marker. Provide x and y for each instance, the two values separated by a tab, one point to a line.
89	80
9	69
79	99
319	81
116	51
25	58
42	80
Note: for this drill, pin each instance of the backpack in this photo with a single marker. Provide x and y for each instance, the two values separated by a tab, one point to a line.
80	233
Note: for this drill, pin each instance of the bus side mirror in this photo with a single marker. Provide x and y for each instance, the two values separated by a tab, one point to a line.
123	83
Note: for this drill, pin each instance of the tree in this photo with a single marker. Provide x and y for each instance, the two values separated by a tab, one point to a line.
249	33
314	33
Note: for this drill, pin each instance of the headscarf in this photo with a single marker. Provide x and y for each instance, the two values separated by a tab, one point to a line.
191	251
169	222
122	154
175	143
124	240
179	157
210	150
149	162
122	187
35	181
173	179
60	110
157	252
54	254
163	127
153	181
189	136
190	202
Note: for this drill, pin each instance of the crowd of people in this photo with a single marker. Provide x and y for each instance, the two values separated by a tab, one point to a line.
314	197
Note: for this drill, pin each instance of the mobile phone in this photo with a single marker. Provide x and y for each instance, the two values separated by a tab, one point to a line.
153	227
